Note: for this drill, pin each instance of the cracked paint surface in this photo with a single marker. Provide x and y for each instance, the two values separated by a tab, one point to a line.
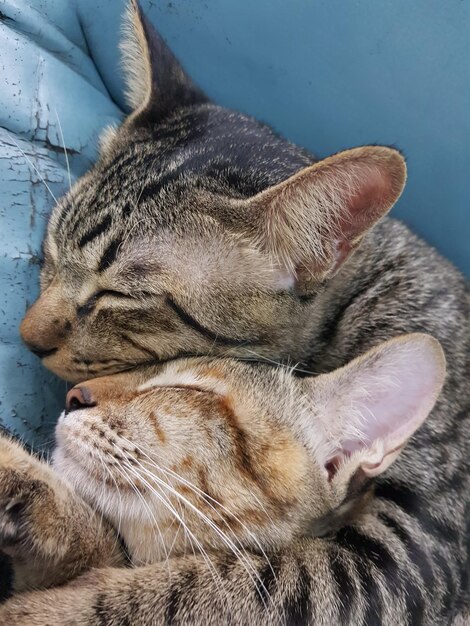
45	71
29	396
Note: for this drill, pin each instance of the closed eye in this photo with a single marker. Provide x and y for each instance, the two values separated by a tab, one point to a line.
90	304
113	293
191	387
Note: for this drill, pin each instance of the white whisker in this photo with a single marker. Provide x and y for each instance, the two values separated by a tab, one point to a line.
33	166
120	508
65	149
250	569
147	508
209	498
290	367
168	505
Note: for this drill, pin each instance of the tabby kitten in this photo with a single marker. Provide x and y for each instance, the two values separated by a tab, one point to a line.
204	455
200	231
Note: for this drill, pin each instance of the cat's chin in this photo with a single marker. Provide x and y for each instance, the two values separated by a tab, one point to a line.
74	473
85	476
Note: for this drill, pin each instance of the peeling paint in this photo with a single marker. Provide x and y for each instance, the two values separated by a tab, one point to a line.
42	71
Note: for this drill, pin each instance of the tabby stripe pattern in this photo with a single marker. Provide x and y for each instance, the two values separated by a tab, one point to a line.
98	230
175	141
202	330
389	569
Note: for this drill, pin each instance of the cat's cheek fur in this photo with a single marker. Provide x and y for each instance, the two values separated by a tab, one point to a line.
150	526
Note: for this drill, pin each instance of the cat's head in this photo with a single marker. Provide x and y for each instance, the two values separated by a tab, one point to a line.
219	453
198	231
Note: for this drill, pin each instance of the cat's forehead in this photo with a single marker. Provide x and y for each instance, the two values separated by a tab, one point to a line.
171	170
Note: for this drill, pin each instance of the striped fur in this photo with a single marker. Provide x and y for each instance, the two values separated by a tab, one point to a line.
401	561
176	244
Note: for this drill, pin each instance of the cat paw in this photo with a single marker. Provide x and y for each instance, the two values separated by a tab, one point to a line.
19	496
21	493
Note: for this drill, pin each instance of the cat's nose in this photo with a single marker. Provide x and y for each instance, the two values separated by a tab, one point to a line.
79	398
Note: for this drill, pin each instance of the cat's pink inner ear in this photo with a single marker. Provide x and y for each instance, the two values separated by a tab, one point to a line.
311	222
378	401
368	198
361	186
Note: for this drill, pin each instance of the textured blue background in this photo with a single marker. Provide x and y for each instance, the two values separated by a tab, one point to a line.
329	74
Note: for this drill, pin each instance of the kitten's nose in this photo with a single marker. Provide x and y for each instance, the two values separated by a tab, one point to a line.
79	398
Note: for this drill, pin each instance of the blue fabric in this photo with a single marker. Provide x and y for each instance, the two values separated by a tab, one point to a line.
326	73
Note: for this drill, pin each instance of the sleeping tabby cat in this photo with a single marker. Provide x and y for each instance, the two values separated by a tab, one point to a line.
200	231
216	455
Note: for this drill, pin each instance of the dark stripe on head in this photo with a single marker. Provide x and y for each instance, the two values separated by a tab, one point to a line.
109	255
200	167
66	210
118	169
154	188
98	230
153	356
205	332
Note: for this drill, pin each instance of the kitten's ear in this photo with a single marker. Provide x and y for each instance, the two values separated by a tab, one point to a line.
369	409
156	82
311	222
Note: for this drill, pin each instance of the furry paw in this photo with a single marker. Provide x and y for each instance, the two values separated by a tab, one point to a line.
49	532
23	491
19	497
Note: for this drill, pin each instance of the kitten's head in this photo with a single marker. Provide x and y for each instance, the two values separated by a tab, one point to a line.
221	454
198	231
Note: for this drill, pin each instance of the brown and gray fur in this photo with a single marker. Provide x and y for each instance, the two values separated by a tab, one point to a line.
241	458
200	231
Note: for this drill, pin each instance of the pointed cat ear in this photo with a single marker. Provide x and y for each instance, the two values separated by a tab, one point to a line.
370	408
156	82
311	222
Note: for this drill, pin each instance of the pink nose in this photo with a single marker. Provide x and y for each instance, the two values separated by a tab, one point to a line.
79	398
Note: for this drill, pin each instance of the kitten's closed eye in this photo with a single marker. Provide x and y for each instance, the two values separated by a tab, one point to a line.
90	304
